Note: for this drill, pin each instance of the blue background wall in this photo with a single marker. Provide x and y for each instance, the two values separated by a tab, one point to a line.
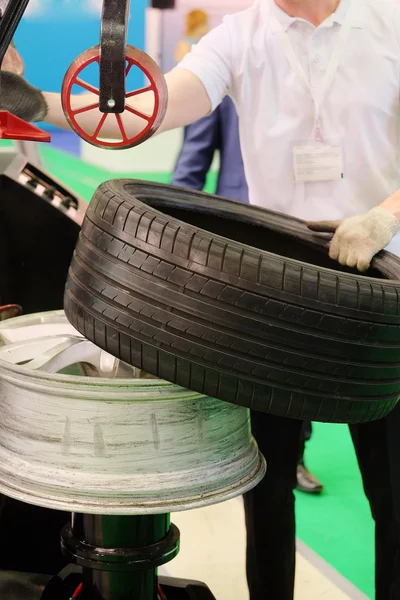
50	41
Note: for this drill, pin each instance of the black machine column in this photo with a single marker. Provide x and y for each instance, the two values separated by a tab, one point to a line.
119	555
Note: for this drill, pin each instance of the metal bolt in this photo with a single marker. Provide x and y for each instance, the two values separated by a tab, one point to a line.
111	103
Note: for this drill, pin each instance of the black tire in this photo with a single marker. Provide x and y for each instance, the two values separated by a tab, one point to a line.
154	283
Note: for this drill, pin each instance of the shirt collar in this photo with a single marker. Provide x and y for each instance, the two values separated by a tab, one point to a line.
338	16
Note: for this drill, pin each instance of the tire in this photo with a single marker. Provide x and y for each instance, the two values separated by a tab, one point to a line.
205	292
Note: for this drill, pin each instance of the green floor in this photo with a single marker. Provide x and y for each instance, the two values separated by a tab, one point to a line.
337	525
83	179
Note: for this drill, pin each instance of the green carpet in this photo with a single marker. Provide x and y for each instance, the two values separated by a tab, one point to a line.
83	178
337	525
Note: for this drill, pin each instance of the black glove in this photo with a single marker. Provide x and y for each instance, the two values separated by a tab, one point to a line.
21	99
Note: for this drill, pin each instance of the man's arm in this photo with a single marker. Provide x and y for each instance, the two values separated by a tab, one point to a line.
196	156
392	205
187	101
195	88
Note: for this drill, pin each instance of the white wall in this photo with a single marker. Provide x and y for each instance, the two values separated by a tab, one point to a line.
173	22
157	155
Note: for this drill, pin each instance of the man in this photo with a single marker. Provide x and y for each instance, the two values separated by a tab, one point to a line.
316	85
220	131
217	131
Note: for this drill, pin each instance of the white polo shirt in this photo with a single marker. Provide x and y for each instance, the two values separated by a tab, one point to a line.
245	59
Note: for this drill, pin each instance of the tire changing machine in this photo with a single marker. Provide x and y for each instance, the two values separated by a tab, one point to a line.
103	556
72	441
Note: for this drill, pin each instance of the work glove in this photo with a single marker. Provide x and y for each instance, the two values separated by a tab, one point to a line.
20	98
356	240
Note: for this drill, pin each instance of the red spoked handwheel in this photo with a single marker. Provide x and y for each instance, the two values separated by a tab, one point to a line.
151	122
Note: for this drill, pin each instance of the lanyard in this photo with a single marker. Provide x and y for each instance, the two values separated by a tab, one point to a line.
317	96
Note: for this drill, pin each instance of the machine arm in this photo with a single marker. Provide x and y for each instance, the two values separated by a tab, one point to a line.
10	17
114	31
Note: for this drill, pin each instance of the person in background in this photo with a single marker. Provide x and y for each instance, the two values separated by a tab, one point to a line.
196	27
306	481
220	131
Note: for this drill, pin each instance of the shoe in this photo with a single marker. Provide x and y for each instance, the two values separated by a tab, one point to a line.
306	482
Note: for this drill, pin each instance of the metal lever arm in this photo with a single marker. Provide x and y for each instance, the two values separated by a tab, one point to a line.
9	23
114	30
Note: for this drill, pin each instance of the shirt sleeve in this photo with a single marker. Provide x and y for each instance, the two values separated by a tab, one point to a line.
211	61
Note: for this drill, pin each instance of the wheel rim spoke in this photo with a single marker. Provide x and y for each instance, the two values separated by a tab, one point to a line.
137	113
128	68
149	88
78	111
121	128
86	86
100	125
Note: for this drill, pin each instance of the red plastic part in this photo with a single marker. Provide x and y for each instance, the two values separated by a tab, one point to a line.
9	311
157	85
14	128
77	592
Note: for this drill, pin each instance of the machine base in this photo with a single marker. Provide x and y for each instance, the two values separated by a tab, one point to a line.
25	586
184	589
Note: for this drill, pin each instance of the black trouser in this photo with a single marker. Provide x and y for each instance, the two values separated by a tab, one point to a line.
306	434
269	508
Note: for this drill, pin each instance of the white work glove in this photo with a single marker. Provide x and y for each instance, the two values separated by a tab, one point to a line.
358	239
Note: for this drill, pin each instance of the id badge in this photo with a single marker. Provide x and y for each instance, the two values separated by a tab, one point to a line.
317	162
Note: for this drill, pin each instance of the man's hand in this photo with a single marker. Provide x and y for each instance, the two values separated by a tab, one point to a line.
356	240
20	98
